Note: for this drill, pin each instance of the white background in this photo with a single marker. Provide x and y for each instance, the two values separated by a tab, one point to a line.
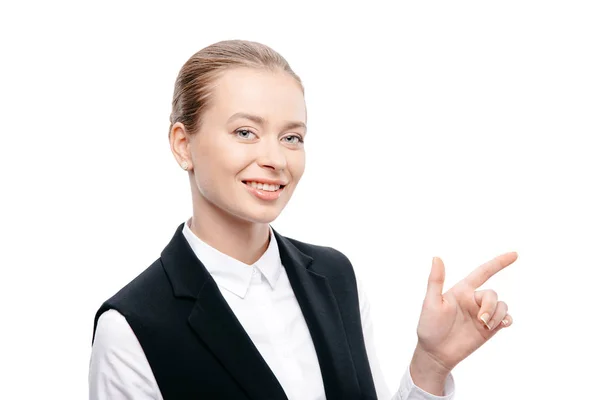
456	129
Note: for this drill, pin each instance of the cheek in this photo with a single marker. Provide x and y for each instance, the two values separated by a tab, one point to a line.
296	164
210	165
221	156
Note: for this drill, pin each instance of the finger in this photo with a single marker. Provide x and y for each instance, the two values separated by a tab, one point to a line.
488	300
506	322
498	316
435	284
484	272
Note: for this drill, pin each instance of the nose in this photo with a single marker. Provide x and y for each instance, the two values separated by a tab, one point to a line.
272	156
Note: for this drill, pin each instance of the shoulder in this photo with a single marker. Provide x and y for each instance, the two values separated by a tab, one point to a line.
318	251
144	292
326	260
113	329
137	290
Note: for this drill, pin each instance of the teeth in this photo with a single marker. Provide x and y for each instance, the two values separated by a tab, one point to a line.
264	186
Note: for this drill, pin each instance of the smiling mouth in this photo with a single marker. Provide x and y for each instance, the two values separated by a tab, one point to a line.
264	186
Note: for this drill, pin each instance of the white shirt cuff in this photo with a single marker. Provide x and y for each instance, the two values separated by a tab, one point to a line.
409	391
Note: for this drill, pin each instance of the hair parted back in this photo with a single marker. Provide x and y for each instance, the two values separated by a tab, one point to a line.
197	77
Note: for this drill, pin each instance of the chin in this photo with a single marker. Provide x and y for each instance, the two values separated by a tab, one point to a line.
260	215
265	217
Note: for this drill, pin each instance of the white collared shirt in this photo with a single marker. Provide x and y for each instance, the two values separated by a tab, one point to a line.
261	297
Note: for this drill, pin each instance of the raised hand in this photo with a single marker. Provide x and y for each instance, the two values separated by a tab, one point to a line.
456	323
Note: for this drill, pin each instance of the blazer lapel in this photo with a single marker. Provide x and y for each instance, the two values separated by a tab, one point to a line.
324	321
215	323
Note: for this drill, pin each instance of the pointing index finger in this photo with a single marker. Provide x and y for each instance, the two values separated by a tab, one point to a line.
485	271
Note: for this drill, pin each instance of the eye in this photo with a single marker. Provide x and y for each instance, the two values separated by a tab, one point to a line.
245	134
293	139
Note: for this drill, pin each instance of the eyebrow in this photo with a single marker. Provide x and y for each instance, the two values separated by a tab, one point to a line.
262	121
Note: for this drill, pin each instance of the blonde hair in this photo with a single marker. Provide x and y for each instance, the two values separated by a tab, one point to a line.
196	78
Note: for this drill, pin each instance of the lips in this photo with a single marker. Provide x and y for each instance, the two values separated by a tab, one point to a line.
264	191
264	186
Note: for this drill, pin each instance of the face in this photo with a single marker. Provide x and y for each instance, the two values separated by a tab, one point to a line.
248	155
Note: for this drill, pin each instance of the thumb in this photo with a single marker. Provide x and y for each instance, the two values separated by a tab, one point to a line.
435	284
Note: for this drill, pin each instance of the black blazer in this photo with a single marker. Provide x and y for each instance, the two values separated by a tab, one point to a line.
197	348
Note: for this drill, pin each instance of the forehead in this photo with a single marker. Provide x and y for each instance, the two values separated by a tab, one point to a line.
273	95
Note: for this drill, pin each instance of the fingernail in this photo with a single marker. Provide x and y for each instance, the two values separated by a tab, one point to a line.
485	318
505	322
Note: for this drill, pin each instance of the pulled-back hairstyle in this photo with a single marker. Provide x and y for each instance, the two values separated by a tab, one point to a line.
196	78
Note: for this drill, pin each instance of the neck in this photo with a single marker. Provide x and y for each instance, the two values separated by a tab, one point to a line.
243	240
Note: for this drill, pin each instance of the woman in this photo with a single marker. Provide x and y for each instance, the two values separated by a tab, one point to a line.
234	310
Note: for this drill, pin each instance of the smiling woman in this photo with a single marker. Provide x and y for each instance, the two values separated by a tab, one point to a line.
252	130
234	310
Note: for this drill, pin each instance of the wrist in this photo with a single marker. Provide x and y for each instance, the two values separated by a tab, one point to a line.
428	373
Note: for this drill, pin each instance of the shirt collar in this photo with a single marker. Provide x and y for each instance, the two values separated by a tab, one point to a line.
232	274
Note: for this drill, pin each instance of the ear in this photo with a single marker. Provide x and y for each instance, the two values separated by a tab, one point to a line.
179	140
